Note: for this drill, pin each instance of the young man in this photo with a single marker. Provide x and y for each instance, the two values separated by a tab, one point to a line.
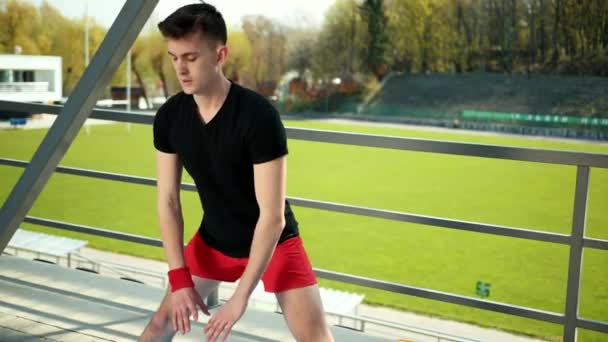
233	144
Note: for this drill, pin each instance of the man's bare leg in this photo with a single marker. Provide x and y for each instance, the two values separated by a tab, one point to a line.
304	314
159	328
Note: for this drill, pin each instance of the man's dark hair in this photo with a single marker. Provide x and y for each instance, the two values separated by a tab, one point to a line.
203	18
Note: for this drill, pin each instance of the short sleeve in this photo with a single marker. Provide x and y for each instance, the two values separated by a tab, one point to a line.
161	129
267	137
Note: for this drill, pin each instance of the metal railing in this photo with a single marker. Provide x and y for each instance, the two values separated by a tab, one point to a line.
24	87
577	241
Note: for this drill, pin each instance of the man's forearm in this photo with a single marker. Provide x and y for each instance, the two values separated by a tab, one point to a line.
172	234
267	233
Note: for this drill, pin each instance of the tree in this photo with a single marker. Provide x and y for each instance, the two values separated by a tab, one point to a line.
302	33
161	66
19	22
301	48
256	28
342	43
378	45
268	42
556	28
141	64
238	65
69	44
464	29
424	34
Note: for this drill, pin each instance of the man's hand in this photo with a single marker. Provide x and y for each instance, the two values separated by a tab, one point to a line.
219	326
184	303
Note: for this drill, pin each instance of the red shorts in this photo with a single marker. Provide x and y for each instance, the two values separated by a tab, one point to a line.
289	267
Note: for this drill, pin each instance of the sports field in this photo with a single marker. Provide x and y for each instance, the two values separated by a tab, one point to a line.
521	194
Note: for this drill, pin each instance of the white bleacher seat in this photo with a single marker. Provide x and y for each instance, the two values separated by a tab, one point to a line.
40	300
334	301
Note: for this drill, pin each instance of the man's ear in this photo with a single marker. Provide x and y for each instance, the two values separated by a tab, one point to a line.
222	54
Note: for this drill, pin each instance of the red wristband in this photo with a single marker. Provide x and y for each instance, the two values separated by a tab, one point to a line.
180	278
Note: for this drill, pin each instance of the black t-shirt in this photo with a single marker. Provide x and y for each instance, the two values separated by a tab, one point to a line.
219	155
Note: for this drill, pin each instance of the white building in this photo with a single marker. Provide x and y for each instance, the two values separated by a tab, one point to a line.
29	78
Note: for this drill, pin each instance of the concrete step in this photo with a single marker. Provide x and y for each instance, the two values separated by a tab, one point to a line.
45	302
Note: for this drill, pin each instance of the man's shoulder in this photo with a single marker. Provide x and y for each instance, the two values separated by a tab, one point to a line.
251	97
173	101
166	113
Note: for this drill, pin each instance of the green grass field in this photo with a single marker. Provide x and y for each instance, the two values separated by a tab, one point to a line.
521	194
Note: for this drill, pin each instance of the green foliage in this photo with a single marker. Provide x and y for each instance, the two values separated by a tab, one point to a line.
20	22
342	42
335	102
301	50
357	38
239	55
268	45
374	13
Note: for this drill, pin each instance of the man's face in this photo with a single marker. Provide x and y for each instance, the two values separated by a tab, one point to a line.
195	61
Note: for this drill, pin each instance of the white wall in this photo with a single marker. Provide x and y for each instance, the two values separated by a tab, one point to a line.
46	69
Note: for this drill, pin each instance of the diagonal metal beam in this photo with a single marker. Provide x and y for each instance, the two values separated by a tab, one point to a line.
96	77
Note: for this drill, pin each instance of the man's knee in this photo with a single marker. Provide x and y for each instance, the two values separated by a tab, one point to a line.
313	329
159	328
314	334
304	314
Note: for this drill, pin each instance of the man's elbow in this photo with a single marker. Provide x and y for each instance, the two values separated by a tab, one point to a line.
167	202
274	222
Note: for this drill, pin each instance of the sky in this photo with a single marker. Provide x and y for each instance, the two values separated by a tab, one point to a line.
290	12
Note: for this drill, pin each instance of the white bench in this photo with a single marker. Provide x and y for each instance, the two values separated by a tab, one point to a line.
335	302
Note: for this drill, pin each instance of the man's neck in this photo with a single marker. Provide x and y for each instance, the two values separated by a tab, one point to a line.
210	102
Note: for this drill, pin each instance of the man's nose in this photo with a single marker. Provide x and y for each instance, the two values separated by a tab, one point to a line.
181	67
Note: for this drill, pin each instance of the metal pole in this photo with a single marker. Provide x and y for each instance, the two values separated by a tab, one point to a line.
128	88
112	51
86	33
213	299
576	252
327	98
128	81
86	48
